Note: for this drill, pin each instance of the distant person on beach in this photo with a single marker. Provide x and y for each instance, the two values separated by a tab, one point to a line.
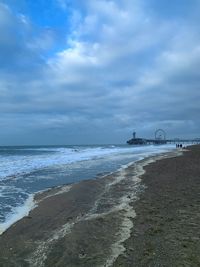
179	145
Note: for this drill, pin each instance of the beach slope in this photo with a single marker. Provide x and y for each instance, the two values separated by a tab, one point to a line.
167	226
128	218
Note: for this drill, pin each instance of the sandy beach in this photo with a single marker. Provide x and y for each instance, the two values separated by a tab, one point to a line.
146	214
166	229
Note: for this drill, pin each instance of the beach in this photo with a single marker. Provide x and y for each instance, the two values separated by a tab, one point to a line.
145	214
166	229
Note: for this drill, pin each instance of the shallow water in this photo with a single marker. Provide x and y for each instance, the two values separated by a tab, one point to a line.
25	171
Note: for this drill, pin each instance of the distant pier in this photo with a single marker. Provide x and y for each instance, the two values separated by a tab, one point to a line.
160	139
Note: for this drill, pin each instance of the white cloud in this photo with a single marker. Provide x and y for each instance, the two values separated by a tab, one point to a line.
122	67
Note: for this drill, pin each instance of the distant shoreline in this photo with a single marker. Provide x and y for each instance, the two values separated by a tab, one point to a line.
86	224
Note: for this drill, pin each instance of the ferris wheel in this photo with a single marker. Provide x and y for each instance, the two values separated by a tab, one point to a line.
160	134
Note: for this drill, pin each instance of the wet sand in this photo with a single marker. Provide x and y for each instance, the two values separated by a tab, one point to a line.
94	222
166	229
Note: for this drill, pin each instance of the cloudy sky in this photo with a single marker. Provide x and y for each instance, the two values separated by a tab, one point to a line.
92	71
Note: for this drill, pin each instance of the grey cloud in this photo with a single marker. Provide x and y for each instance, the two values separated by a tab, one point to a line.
121	73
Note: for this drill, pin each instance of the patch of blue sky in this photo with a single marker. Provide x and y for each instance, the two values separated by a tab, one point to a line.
46	16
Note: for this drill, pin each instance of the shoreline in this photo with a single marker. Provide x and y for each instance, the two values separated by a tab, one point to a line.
70	216
32	201
166	229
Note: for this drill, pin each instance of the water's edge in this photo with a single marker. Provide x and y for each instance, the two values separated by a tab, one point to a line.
34	199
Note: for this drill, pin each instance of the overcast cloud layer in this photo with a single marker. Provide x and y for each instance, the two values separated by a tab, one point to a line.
92	71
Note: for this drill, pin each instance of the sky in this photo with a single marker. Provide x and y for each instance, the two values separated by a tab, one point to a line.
94	71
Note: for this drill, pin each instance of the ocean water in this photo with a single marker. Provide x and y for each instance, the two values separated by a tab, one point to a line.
24	171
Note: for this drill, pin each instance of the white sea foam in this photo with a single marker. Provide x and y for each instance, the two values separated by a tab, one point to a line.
38	257
14	165
23	210
60	190
17	214
118	248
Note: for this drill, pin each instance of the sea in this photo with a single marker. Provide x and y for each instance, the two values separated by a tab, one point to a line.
27	170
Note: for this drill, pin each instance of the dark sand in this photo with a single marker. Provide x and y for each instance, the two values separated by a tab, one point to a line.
94	223
167	227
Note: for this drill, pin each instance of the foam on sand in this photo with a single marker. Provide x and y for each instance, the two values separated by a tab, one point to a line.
118	248
115	201
130	182
47	193
18	214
